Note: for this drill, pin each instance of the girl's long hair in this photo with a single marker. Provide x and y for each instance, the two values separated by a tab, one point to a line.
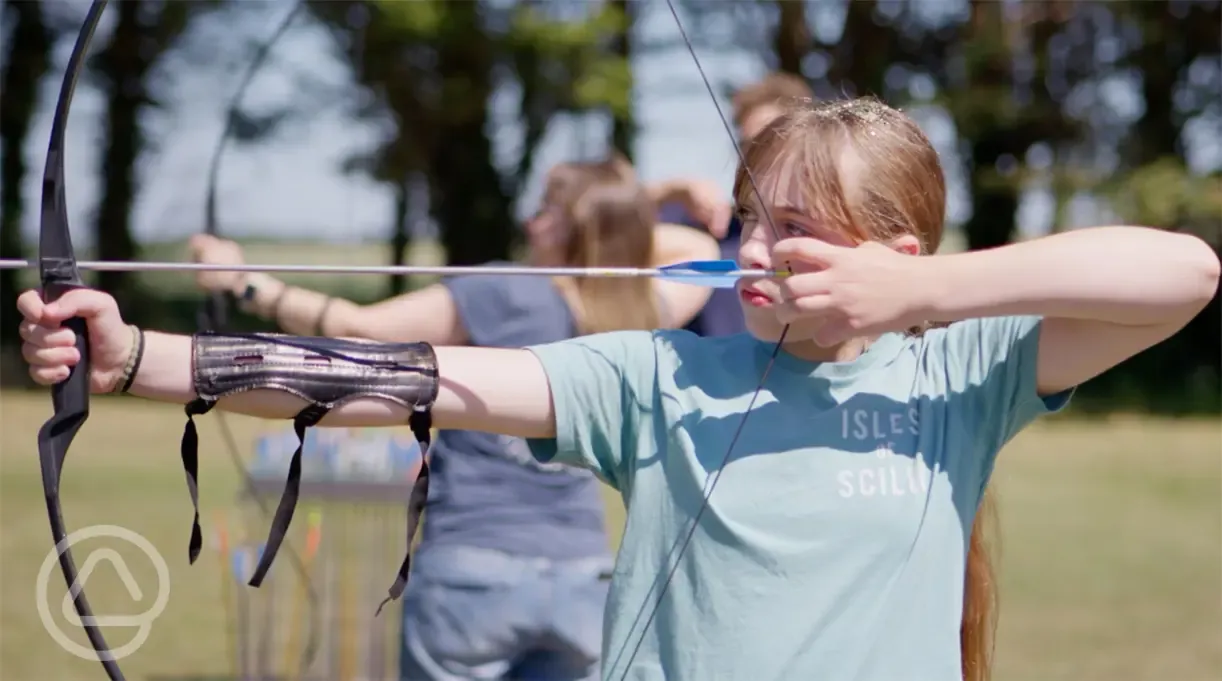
978	629
826	151
608	220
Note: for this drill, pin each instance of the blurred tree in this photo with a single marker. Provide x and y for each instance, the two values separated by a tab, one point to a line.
430	68
995	88
144	32
1176	48
25	64
866	51
792	41
1175	51
623	122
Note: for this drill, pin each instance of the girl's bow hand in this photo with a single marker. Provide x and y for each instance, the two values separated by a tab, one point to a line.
850	292
50	348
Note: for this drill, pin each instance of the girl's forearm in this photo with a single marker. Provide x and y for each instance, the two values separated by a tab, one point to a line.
165	369
496	390
1122	275
676	243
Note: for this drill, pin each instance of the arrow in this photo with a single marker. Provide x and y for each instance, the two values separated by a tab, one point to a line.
710	273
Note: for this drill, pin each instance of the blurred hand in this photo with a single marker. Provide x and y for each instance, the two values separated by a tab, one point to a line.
706	203
210	250
50	348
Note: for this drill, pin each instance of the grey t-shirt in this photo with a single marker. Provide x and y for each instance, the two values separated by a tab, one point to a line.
487	490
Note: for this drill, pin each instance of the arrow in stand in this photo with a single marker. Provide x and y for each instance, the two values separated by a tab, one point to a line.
710	273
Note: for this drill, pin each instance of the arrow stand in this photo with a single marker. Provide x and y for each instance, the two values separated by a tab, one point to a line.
348	530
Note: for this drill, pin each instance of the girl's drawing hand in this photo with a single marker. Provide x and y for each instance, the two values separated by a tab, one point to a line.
852	292
50	348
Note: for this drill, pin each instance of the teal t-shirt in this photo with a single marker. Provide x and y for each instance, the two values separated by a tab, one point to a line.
834	544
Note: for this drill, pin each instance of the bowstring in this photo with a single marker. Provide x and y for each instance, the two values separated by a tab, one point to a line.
710	485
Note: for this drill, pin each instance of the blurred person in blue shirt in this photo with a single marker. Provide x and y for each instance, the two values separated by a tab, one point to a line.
510	578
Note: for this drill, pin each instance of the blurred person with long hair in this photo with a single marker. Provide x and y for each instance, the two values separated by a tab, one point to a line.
510	577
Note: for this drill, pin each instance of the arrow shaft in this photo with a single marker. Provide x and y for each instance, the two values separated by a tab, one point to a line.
142	266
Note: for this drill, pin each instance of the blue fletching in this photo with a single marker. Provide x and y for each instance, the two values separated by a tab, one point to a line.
711	273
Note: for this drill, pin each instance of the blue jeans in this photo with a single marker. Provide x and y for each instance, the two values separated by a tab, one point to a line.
471	613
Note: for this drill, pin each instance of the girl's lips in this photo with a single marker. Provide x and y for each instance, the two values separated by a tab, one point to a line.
755	298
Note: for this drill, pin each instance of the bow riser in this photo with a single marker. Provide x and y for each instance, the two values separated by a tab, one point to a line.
60	274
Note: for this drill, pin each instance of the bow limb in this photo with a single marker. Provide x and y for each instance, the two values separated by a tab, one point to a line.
652	605
215	312
213	315
59	274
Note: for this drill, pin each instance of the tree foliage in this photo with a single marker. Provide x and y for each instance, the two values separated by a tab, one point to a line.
1078	99
431	68
25	66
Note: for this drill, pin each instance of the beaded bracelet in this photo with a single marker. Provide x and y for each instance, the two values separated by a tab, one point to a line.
133	361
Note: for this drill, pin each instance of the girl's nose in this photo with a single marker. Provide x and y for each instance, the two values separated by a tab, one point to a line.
754	255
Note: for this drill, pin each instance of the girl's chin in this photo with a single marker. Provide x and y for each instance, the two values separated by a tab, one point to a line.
766	330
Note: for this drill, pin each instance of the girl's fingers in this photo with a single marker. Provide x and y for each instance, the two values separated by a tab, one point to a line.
39	356
49	375
26	330
796	309
30	305
49	337
49	349
807	250
798	286
82	302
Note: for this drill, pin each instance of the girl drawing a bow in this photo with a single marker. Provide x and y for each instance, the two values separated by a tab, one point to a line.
814	557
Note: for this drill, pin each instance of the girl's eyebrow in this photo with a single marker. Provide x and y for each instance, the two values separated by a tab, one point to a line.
753	204
794	212
787	208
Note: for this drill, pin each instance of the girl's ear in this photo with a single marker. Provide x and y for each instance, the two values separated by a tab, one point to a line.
907	244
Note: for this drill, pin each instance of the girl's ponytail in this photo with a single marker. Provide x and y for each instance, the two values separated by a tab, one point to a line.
978	628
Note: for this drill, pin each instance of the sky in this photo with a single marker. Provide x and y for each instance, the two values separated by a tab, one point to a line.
291	188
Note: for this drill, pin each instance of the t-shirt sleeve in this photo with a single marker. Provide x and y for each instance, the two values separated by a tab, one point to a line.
500	310
989	368
602	389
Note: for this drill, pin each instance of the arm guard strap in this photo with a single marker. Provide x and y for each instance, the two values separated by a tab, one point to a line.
326	373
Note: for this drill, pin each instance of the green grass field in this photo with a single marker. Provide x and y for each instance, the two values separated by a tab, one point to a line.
1112	545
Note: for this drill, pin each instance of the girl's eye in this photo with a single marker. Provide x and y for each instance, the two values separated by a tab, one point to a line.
749	223
794	229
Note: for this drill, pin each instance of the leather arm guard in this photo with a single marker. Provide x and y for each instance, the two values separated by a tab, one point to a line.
326	372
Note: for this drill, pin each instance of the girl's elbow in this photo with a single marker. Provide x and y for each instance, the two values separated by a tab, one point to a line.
1201	271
